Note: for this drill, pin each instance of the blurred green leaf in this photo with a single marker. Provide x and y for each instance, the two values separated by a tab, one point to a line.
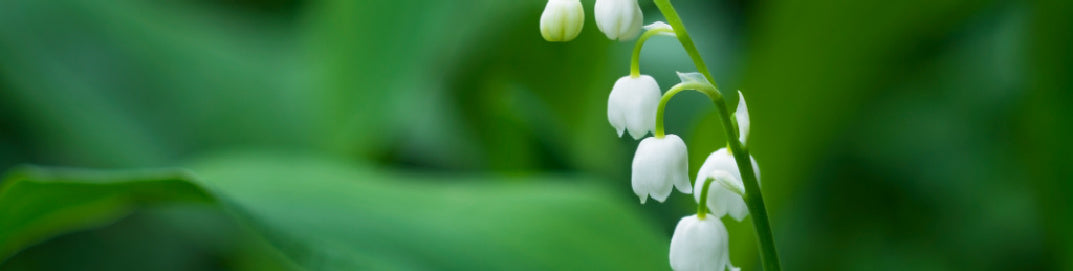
328	215
37	203
136	83
167	237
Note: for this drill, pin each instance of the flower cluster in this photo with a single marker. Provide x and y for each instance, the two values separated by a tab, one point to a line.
660	164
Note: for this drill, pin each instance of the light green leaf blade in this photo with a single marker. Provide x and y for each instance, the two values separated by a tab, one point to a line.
324	214
37	203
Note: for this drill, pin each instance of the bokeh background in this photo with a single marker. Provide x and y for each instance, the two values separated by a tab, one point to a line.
447	135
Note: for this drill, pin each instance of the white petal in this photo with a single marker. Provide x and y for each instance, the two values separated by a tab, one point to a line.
618	19
632	105
699	245
727	181
733	203
718	196
677	163
616	112
562	20
659	164
742	114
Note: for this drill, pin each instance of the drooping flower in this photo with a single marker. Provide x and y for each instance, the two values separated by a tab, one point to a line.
742	116
700	245
659	164
632	105
722	201
562	20
619	19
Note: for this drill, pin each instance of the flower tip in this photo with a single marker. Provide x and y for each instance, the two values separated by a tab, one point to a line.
638	135
738	216
660	198
685	189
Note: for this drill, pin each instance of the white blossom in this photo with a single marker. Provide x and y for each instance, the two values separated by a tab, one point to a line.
659	164
721	201
700	245
562	20
619	19
632	105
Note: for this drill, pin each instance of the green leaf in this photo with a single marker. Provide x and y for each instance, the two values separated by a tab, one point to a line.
37	203
329	215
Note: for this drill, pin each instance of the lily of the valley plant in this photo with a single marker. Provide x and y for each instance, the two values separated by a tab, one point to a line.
728	182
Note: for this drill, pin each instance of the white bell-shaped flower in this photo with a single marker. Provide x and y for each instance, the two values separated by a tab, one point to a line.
632	105
562	20
619	19
659	164
700	245
742	115
722	201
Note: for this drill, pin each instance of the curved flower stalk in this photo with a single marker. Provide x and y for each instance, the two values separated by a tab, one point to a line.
635	98
657	28
659	164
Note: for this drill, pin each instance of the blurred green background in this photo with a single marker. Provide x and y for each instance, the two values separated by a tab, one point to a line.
447	135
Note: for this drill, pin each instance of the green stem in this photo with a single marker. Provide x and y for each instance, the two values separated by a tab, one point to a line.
683	37
706	89
635	60
702	206
753	197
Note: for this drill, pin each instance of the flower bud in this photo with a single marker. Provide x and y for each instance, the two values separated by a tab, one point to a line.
742	116
619	19
659	164
632	105
562	20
